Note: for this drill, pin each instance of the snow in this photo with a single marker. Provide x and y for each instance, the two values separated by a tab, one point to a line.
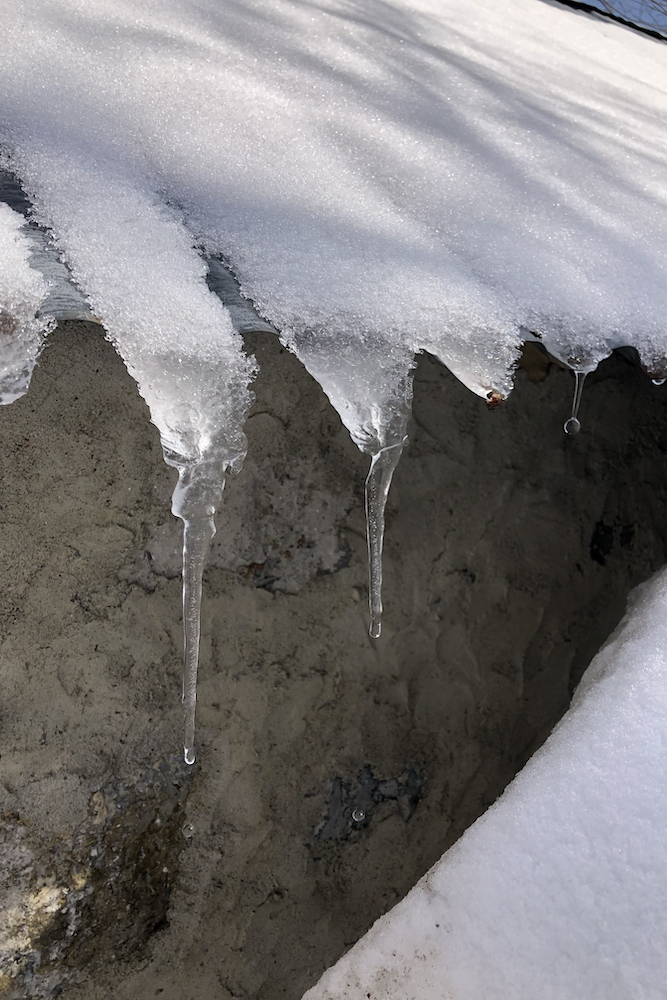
410	174
558	890
22	293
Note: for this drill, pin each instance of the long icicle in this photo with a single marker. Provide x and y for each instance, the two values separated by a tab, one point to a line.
378	481
198	533
197	494
572	424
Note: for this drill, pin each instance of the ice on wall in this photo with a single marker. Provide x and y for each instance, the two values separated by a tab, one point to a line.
558	891
22	293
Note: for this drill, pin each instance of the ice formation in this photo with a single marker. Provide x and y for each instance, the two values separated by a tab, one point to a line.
22	294
558	891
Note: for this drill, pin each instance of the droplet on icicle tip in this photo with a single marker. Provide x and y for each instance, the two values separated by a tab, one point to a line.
358	815
572	426
659	381
189	755
375	628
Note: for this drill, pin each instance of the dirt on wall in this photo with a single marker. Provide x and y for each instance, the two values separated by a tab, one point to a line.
333	769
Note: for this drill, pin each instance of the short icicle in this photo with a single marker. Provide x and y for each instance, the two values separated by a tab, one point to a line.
572	424
378	481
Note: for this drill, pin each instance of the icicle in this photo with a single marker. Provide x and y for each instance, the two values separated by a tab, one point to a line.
572	425
197	535
378	481
194	501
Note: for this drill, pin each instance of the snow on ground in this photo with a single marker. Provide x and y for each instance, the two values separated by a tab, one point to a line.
22	293
558	891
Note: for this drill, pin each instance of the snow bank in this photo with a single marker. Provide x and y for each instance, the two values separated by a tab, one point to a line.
558	891
22	294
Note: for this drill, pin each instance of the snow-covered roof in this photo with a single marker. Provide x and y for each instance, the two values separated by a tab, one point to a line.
381	177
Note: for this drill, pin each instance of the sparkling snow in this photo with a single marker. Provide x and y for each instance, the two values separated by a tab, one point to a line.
425	174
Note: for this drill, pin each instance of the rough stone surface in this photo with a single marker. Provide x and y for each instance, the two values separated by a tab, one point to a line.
510	549
74	904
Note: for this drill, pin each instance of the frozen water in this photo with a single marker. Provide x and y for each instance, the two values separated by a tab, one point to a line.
561	882
22	294
572	425
378	481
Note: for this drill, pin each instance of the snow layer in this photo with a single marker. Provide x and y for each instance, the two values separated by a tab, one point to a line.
147	284
558	891
403	174
22	293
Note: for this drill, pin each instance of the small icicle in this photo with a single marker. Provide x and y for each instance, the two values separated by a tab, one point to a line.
198	487
572	425
378	481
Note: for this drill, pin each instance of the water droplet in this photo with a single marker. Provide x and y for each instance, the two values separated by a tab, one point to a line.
189	755
659	381
188	830
358	815
572	426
